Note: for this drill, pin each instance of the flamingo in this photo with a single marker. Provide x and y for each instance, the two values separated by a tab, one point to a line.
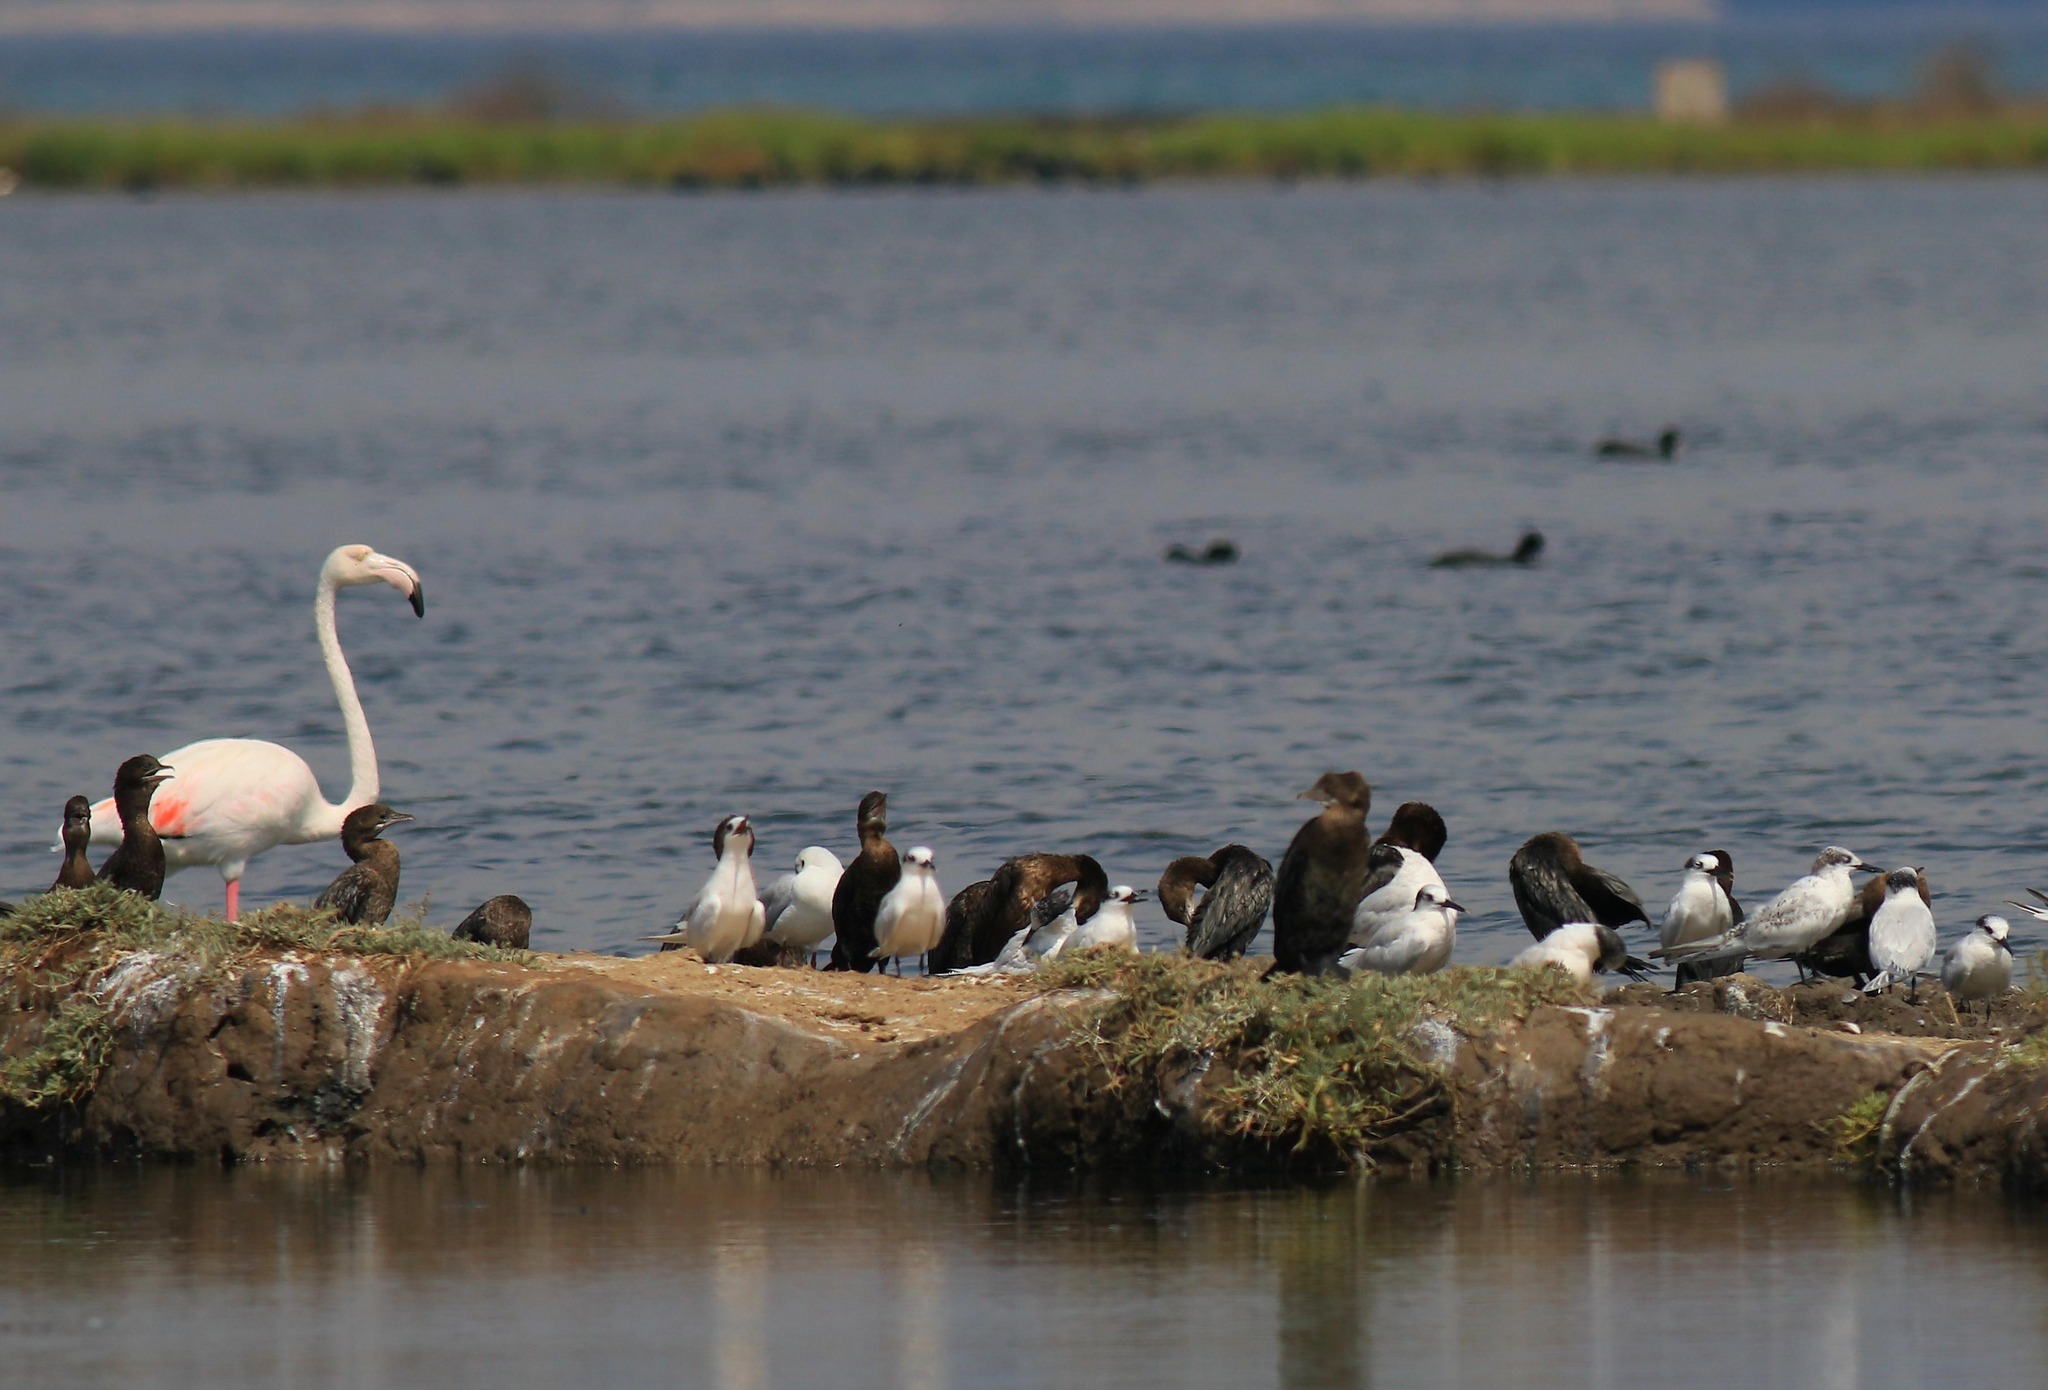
230	799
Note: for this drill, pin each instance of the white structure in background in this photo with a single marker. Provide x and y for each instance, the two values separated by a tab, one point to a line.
1694	90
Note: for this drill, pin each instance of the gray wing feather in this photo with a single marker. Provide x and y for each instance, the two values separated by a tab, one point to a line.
1232	912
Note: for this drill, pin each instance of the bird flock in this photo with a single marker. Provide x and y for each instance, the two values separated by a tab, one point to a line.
1342	901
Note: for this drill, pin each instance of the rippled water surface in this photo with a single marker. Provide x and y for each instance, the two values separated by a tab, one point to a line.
753	503
260	1277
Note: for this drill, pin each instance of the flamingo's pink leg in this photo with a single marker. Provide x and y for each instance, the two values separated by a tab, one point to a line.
234	898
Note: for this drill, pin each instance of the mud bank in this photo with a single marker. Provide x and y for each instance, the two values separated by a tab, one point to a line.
395	1058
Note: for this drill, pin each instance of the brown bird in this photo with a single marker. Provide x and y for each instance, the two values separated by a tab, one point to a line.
365	892
77	871
866	881
983	917
1240	893
504	921
138	865
1322	876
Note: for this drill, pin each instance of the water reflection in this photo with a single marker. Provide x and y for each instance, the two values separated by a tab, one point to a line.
745	1281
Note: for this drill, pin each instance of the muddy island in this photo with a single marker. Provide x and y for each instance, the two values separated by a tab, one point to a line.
139	1032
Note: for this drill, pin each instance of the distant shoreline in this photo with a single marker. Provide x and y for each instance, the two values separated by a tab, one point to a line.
768	149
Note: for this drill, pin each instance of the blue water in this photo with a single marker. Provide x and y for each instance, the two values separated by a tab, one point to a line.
1029	70
753	503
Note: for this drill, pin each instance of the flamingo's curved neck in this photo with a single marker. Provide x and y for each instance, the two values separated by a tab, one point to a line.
363	787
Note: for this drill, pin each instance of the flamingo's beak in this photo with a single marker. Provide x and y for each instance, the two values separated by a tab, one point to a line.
418	597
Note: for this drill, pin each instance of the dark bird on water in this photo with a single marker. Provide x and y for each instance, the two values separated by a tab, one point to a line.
1664	450
1022	893
1221	926
504	921
862	887
1322	876
1844	953
1220	551
1554	885
365	892
1526	552
138	865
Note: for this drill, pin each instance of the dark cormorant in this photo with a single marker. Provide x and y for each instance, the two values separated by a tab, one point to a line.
1526	552
138	865
1554	885
1664	450
866	881
1230	914
77	871
1322	876
1417	826
983	917
504	921
1220	551
364	893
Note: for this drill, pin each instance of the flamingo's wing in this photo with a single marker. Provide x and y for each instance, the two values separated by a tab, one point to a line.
223	787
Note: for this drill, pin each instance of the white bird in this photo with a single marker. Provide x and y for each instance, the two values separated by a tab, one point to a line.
1418	942
1112	924
798	906
230	799
1901	935
1574	946
1393	898
1704	905
1980	965
1811	908
912	916
725	917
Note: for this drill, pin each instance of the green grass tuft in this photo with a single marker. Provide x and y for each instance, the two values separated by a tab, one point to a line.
66	1061
1317	1064
1856	1131
744	149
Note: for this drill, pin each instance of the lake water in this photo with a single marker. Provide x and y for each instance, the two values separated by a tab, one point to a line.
484	1278
1047	69
752	503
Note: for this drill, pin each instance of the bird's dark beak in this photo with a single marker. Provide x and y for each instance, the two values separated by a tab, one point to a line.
1142	895
1455	907
1310	795
418	599
397	818
1869	869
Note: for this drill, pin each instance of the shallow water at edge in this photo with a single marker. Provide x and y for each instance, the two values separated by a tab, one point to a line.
491	1278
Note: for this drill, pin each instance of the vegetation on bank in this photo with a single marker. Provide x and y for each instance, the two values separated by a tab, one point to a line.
1321	1066
758	149
69	945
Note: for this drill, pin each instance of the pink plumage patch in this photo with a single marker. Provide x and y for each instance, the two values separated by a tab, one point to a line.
168	815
